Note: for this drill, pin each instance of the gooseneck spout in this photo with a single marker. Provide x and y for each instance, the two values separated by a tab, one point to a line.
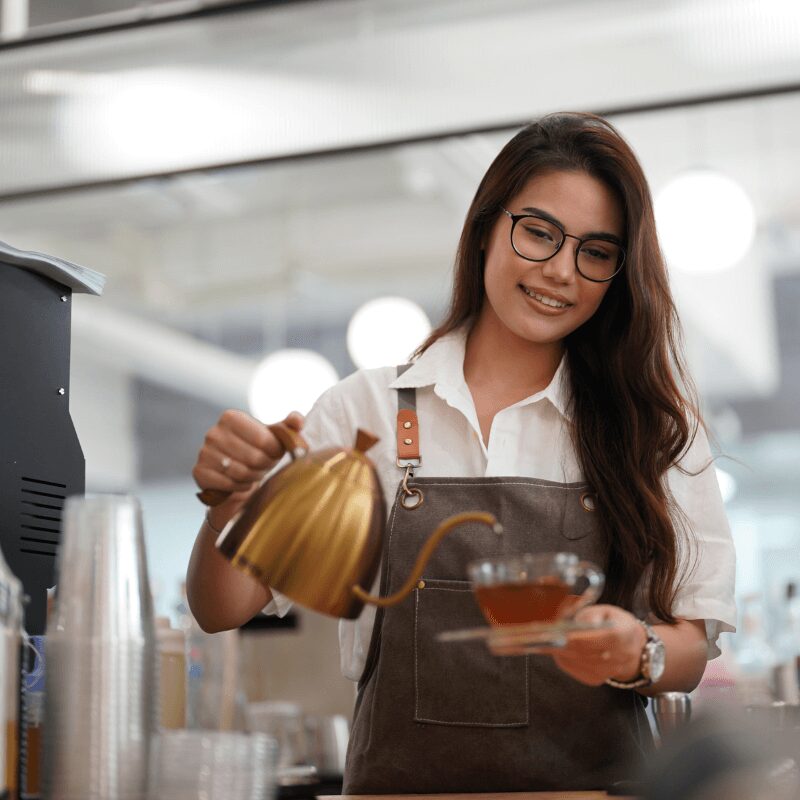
425	554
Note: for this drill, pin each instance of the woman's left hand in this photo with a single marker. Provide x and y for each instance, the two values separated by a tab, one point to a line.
593	656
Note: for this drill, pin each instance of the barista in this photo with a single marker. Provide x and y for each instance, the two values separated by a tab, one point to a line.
553	395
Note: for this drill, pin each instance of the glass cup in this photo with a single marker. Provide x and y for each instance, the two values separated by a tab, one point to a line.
213	765
534	588
283	721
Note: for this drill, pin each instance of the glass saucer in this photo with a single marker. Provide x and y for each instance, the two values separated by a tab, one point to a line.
523	639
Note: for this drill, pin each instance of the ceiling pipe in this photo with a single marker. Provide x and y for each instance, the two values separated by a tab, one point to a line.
160	354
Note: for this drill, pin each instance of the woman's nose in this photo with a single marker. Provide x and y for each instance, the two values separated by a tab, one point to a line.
561	267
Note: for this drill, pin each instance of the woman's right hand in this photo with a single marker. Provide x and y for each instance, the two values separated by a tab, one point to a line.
237	453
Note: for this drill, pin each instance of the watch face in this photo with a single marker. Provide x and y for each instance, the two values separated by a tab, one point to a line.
656	661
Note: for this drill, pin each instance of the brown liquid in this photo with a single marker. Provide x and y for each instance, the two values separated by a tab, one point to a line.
516	603
33	748
11	757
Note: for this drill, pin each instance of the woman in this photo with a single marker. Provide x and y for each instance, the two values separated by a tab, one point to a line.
554	396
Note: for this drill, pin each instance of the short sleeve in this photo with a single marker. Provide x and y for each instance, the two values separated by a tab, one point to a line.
324	427
707	559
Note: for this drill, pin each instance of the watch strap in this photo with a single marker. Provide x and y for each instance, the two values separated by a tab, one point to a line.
643	679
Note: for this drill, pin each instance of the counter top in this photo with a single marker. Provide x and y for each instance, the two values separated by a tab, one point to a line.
479	796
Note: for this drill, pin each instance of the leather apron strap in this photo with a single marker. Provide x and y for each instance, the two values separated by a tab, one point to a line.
408	455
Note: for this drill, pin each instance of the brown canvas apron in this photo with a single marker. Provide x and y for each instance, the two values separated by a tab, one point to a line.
451	717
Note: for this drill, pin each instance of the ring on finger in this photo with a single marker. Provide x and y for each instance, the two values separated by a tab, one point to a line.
226	463
605	655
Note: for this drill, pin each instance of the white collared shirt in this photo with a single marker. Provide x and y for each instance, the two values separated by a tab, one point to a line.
529	439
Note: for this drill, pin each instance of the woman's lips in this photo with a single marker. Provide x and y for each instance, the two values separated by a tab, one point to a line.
543	302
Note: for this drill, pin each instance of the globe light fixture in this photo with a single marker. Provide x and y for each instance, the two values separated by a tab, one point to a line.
289	380
706	221
385	331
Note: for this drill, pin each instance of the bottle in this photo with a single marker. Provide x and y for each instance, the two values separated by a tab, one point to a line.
212	661
793	620
755	658
11	636
787	648
172	674
193	643
33	678
201	668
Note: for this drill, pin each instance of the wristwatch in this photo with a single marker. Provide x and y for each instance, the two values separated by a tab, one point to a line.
651	666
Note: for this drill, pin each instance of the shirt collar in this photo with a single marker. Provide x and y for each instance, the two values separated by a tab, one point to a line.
442	366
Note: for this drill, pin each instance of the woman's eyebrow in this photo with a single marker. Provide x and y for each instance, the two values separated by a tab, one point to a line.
544	215
590	235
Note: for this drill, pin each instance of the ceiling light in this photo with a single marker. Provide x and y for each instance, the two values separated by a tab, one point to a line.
706	222
385	331
289	380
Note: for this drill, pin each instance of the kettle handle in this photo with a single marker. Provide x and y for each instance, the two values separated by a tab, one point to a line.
294	444
425	554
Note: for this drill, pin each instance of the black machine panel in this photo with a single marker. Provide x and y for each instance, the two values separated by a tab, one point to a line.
41	461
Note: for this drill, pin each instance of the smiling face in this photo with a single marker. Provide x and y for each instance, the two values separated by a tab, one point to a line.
542	302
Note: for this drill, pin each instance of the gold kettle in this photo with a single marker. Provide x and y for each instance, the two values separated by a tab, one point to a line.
314	530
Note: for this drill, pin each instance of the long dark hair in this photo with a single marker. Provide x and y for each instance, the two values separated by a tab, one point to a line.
633	406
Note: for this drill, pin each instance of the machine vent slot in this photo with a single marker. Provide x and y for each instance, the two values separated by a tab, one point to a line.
42	506
42	494
39	541
37	553
45	483
49	529
35	487
41	516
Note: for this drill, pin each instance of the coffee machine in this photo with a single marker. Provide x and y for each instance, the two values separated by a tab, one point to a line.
41	461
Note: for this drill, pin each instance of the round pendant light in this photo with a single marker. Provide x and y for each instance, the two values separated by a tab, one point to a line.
706	221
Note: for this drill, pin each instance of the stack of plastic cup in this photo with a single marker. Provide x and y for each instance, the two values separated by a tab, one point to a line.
101	705
213	765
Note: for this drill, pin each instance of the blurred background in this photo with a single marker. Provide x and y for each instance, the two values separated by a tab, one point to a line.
249	174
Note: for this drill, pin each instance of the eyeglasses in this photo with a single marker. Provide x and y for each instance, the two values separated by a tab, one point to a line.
536	239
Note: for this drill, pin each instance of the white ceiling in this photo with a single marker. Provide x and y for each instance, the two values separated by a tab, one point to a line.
241	257
311	76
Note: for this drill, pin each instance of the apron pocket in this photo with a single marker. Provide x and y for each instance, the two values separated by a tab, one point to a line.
462	683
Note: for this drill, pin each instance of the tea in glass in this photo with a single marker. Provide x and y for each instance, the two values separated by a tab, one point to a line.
543	587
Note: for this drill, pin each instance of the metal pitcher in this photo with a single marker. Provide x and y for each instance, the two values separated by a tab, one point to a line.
314	530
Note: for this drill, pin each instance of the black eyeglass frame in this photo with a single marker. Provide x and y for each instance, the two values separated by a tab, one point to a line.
515	218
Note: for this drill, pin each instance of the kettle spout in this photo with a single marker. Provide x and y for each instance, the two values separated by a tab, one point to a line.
425	554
